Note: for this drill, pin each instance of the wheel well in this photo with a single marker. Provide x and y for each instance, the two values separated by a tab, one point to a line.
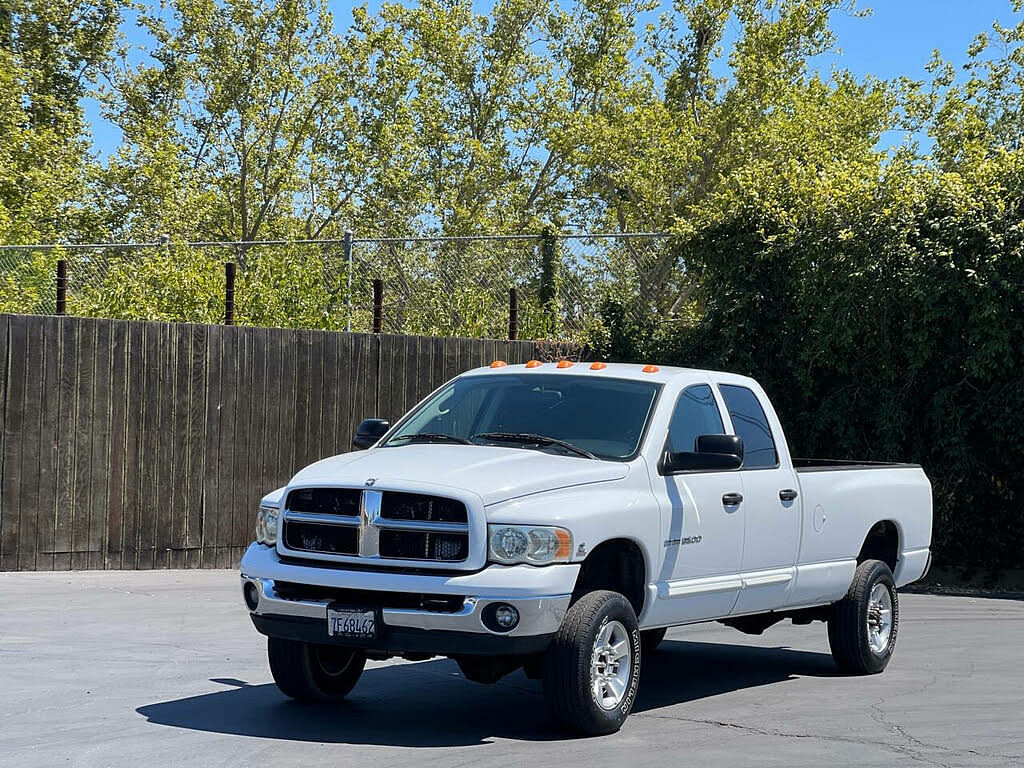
618	565
882	543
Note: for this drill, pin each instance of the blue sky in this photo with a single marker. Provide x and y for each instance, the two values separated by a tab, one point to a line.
897	39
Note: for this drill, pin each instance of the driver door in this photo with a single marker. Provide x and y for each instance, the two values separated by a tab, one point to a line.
702	531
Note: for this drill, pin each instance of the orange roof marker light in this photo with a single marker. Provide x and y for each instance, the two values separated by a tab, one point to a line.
534	364
498	364
564	364
598	366
650	369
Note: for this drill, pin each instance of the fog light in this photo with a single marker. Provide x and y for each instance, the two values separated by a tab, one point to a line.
506	617
252	595
500	617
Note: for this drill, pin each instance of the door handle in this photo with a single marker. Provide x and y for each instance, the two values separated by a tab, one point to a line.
787	494
732	499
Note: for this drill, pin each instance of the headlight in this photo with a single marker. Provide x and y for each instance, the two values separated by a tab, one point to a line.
266	526
533	544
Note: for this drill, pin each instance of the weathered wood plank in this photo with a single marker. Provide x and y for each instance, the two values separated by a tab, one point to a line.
385	380
437	372
196	470
366	384
114	547
82	437
225	463
343	372
99	459
301	346
5	354
451	357
274	428
289	423
48	389
315	401
69	330
181	347
242	505
418	384
330	388
134	474
14	430
211	496
30	449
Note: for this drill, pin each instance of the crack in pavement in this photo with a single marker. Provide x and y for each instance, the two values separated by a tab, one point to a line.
789	735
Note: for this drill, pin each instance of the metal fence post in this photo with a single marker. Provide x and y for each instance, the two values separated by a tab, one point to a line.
347	246
62	287
229	293
513	314
378	305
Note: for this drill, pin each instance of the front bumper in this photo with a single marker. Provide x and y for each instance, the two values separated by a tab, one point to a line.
540	595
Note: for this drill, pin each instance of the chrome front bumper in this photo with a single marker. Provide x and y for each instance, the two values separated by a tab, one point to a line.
538	615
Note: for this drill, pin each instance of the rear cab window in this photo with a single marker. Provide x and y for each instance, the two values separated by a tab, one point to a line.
751	425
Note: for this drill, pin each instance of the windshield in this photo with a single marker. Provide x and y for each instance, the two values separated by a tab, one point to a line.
599	416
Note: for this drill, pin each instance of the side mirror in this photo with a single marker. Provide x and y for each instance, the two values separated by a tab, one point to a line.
710	452
369	432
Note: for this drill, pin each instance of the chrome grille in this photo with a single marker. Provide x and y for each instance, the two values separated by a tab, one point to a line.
376	524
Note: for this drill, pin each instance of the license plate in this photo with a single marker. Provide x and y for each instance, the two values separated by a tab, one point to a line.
348	622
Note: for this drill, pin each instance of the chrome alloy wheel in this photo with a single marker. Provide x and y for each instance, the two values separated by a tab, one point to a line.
610	664
879	621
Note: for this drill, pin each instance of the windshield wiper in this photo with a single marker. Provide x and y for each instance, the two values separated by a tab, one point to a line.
528	438
430	437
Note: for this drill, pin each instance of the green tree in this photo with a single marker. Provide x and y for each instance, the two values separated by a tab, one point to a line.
50	56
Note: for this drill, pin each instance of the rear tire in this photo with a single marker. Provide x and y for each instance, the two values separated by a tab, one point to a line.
592	668
314	673
863	626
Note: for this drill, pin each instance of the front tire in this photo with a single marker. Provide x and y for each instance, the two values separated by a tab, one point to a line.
314	673
592	669
863	625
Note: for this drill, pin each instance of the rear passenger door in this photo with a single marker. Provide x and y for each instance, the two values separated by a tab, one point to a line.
771	518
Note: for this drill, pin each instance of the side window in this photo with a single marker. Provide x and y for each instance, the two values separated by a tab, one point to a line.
751	425
696	414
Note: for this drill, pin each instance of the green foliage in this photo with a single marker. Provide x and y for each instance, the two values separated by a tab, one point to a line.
880	302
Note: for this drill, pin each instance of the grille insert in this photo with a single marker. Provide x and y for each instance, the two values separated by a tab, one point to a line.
328	539
416	506
325	501
414	545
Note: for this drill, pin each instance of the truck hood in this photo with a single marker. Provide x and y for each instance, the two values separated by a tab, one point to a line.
495	474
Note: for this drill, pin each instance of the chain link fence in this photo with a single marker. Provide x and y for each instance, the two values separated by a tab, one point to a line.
542	286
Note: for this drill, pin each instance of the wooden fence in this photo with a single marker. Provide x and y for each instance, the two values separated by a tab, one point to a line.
149	445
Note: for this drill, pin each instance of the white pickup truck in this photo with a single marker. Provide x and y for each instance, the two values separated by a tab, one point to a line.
558	518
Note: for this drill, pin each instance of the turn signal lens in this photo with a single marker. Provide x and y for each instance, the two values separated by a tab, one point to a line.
564	364
534	364
650	369
598	366
498	364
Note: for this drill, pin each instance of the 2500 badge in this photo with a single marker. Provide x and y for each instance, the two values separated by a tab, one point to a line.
683	540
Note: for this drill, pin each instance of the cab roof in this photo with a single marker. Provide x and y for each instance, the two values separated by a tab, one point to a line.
633	371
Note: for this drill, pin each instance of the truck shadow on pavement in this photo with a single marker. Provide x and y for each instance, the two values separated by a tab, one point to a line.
429	704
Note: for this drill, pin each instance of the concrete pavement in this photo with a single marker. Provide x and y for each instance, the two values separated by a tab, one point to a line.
163	668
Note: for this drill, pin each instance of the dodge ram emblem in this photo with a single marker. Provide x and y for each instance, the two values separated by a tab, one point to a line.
370	481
